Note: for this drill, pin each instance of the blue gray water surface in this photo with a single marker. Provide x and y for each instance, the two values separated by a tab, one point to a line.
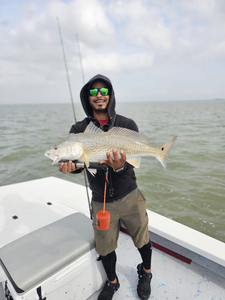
191	190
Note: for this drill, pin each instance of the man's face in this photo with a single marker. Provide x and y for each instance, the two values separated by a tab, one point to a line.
99	102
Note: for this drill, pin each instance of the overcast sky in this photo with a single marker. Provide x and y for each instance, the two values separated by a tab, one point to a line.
152	50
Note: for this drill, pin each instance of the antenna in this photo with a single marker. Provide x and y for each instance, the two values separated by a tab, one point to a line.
78	45
67	73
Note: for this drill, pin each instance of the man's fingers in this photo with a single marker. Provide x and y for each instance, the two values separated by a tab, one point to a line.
109	158
67	167
61	167
71	166
123	156
115	155
115	162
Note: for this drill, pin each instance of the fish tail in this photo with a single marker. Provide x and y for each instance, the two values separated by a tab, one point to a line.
164	152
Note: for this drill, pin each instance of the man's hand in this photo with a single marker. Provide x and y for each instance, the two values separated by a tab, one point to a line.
115	162
67	167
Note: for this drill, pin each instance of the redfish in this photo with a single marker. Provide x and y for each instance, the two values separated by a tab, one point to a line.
93	144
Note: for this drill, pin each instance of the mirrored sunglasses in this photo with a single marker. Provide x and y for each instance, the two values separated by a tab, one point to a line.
103	91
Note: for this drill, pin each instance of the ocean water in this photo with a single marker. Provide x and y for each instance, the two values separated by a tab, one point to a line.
192	188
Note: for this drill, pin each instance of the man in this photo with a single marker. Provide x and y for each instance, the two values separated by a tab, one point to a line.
124	201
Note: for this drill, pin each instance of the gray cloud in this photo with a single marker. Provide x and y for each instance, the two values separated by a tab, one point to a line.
166	50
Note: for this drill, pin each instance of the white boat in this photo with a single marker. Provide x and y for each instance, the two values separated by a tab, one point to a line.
42	258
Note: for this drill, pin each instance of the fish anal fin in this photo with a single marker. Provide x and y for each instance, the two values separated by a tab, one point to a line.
134	161
92	171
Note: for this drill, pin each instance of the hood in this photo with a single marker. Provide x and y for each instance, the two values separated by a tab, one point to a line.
85	101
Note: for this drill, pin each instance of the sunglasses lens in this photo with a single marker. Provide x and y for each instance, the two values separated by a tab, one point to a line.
104	91
93	92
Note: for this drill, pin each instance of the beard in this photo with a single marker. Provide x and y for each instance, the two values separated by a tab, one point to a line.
101	107
103	110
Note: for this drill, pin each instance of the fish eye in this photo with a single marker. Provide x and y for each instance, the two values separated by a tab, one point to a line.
55	148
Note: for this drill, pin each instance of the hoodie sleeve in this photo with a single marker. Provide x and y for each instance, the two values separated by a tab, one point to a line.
79	127
124	122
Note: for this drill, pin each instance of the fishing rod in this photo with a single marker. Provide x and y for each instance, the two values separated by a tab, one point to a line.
67	73
103	216
84	167
82	72
71	97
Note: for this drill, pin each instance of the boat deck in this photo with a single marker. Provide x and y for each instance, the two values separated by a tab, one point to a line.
40	202
172	278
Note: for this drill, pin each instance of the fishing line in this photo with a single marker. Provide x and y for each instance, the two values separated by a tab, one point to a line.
85	169
82	72
86	184
67	73
103	216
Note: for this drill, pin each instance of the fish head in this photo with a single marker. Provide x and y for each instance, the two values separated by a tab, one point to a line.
64	151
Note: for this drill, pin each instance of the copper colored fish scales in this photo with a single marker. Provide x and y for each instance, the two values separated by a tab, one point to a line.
93	144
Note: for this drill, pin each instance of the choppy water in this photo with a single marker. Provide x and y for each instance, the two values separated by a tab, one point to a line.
191	190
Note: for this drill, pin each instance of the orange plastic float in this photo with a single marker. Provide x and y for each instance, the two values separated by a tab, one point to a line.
103	216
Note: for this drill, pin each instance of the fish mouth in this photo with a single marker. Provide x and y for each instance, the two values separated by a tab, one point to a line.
55	158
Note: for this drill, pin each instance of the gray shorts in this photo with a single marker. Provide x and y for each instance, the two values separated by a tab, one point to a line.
132	211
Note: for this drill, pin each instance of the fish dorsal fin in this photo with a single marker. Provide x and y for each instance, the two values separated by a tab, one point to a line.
128	133
92	128
135	161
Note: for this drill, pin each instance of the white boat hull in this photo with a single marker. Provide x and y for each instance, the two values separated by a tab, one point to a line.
186	264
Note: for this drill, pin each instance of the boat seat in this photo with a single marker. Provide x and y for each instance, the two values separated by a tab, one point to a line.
39	254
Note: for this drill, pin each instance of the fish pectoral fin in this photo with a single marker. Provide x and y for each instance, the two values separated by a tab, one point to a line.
92	171
135	161
85	160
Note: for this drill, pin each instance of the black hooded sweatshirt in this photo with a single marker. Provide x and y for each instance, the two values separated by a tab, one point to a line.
120	183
